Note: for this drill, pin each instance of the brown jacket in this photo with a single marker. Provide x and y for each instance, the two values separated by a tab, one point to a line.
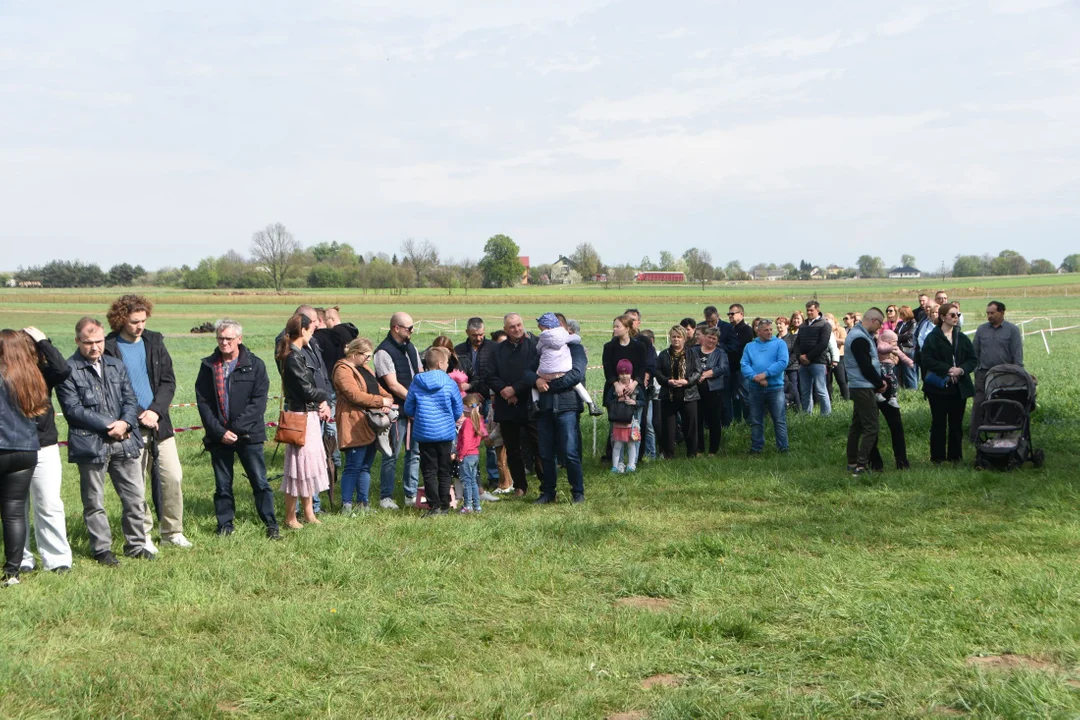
355	394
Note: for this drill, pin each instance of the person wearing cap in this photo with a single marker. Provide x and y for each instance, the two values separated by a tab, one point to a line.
624	400
553	347
764	363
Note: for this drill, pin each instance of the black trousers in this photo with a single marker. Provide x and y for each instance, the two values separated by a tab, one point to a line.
515	437
839	373
687	411
791	389
16	469
899	442
947	427
435	467
222	458
710	414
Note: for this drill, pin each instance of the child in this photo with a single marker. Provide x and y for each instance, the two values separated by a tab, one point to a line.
555	357
434	404
461	379
471	434
624	400
889	354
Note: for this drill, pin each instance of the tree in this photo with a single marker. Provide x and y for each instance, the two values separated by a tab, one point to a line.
123	274
699	266
1071	263
393	261
469	275
421	255
871	266
586	260
646	264
445	276
1041	267
621	275
325	276
718	274
203	277
759	271
500	265
1009	262
275	250
907	261
734	271
667	260
969	266
324	251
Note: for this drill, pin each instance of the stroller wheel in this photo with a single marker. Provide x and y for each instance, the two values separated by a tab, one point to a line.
1038	458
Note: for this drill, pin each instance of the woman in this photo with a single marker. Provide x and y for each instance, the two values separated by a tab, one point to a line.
50	524
948	360
713	368
796	322
838	371
679	394
357	392
791	374
305	466
905	334
891	318
23	395
622	346
447	344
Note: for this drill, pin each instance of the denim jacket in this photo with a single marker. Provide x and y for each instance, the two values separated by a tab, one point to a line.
17	432
91	404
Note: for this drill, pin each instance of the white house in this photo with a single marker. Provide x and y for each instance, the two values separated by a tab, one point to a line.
904	273
560	270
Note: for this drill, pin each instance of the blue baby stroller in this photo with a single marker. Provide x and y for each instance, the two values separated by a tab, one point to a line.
1004	441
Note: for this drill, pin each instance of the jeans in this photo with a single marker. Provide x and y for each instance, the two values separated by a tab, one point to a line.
223	458
946	427
560	431
50	525
470	467
771	399
909	377
740	410
411	477
435	466
863	433
16	469
812	378
127	480
356	477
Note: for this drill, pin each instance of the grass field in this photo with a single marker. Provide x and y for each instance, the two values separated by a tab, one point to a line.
737	587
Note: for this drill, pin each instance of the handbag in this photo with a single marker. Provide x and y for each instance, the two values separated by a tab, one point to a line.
291	426
635	430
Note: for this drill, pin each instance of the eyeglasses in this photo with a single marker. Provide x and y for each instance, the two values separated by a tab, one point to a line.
473	405
954	314
222	339
732	314
406	327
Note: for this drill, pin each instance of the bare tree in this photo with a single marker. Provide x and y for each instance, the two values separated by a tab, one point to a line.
469	275
275	250
621	275
445	276
699	266
421	255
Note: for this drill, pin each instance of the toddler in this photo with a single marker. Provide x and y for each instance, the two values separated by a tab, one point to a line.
434	404
889	354
624	400
472	433
555	357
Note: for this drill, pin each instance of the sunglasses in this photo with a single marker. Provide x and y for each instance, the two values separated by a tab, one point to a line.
954	314
406	327
732	314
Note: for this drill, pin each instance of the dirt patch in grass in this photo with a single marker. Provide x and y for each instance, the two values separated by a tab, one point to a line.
661	680
645	603
629	715
1009	661
228	706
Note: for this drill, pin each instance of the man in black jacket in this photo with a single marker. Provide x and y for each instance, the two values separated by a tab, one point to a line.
231	392
812	348
472	357
504	373
150	370
743	336
102	414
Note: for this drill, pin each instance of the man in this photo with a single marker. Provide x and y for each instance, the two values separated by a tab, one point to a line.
150	370
313	357
396	364
920	311
231	391
864	382
941	298
997	342
504	372
102	413
472	356
333	336
764	362
558	425
812	348
635	319
743	335
729	343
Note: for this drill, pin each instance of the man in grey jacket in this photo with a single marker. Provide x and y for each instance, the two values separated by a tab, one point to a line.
102	413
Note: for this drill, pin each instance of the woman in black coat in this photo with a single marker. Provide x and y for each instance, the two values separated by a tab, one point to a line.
679	394
948	362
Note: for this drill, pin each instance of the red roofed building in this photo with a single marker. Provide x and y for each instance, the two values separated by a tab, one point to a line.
524	260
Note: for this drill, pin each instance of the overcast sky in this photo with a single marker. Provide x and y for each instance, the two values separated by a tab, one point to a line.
764	131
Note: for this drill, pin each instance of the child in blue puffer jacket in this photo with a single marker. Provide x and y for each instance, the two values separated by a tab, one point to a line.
434	404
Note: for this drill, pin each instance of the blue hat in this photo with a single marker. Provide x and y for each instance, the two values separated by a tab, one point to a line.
548	321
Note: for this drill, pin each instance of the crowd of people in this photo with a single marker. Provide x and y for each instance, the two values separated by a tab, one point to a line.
514	397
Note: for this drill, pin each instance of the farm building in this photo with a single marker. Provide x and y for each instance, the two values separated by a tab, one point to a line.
661	276
904	273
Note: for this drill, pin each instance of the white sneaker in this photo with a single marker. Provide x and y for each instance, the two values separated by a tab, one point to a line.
150	546
488	497
10	581
880	398
893	402
411	501
388	504
178	540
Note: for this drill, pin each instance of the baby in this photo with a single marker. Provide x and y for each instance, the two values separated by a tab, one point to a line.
889	354
555	357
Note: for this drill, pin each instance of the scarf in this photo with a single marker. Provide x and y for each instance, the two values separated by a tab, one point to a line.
678	364
222	391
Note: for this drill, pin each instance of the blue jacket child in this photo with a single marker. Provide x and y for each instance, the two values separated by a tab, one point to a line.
434	404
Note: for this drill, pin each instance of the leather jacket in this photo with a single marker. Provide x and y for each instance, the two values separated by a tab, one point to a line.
298	382
91	404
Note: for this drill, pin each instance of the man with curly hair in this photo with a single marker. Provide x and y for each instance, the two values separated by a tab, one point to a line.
150	370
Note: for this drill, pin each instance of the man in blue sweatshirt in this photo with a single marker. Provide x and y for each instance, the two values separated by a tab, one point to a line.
763	364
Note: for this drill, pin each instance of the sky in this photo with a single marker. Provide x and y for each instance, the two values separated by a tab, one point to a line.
161	133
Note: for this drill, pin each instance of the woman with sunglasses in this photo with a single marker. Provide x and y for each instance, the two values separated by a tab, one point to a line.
948	360
357	392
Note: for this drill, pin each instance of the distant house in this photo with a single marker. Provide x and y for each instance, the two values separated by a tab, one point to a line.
560	270
773	277
661	276
835	271
904	273
29	283
524	260
12	282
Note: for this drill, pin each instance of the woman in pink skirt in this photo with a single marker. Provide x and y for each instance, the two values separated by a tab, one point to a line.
305	467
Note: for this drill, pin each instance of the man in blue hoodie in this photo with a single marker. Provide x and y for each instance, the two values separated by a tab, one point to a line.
763	364
434	404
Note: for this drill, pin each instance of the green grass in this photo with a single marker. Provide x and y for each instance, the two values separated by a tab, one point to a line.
794	590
